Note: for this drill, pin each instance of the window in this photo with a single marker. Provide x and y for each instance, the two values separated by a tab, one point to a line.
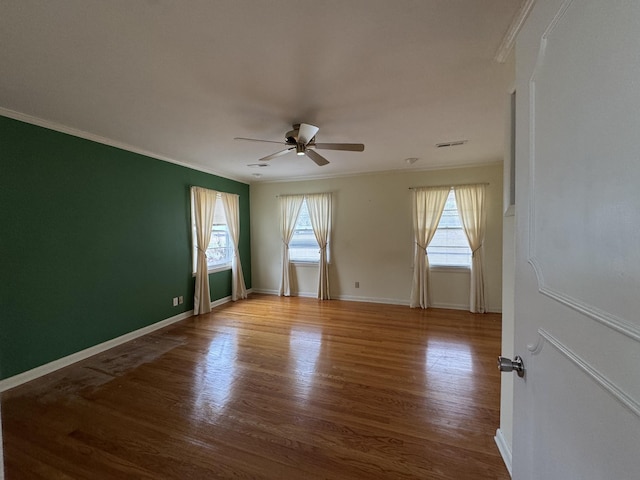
220	249
449	246
304	246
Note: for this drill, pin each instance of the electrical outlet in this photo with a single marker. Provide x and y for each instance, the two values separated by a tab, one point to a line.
357	284
180	299
175	301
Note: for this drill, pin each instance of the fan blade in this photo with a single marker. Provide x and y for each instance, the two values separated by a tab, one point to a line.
256	140
316	157
274	155
350	147
306	133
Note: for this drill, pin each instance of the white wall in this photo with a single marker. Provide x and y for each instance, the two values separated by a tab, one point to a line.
372	240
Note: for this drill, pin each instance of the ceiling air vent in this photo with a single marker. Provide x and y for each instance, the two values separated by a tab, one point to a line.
455	143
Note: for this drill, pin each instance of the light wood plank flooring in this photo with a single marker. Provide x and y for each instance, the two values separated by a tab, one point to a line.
272	388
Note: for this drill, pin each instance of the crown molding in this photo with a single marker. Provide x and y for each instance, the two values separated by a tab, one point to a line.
58	127
364	173
509	39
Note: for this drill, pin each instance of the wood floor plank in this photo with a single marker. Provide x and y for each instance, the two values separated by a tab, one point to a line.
272	388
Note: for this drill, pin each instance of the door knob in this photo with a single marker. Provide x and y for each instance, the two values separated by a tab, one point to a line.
507	365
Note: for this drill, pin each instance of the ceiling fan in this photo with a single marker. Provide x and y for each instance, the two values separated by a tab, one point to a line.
302	139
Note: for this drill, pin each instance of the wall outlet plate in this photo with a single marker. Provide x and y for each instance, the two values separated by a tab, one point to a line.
180	299
175	301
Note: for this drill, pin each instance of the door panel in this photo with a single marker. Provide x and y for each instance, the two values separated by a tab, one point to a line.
585	202
577	289
570	422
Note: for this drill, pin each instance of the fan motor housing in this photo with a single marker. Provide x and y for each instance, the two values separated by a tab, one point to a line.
292	135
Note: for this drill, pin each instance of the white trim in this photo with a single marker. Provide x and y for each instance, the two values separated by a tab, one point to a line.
450	306
50	367
621	325
621	396
217	269
302	263
504	449
40	122
614	322
363	173
460	306
509	39
347	298
265	291
384	301
450	268
220	301
23	117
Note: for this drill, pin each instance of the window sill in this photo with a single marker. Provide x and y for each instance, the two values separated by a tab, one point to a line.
221	268
302	263
450	268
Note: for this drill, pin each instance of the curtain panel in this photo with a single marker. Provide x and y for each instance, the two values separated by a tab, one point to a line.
231	203
289	210
428	204
471	208
204	203
319	206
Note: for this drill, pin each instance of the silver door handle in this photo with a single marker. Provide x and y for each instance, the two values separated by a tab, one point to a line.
507	365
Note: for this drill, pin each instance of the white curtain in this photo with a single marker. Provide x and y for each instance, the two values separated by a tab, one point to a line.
471	207
428	204
204	204
319	206
289	210
231	203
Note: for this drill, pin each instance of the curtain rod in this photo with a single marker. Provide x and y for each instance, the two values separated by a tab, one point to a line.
450	185
212	190
300	194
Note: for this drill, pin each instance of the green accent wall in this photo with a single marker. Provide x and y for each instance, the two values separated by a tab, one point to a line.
95	242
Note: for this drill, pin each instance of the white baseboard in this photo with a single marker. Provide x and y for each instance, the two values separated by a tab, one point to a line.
222	301
349	298
387	301
265	291
47	368
50	367
450	306
505	450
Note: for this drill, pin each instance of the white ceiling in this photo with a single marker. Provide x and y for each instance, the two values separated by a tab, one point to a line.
180	79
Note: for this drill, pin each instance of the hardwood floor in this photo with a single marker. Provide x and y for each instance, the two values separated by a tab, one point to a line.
272	388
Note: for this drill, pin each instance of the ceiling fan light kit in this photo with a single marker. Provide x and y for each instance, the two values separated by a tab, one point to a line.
303	139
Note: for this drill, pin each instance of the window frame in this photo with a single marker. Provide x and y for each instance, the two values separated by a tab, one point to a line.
299	261
194	243
444	266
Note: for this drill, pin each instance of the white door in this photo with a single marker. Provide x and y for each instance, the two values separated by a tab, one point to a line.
577	287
